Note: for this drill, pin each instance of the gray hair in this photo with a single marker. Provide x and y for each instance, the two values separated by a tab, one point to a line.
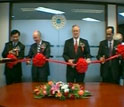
39	33
75	26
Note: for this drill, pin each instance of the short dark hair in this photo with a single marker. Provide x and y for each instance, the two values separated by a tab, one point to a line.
111	27
13	32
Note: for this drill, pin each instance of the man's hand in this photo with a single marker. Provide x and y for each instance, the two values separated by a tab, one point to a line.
71	61
88	60
11	52
28	62
102	59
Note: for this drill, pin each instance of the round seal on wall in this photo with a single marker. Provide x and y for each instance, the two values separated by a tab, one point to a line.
58	21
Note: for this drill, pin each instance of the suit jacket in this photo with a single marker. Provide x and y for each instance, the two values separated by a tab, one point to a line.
69	52
8	47
104	50
45	52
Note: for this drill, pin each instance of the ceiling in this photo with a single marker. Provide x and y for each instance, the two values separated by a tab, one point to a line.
72	11
84	11
105	1
100	1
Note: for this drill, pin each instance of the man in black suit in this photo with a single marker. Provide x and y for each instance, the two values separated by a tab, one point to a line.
74	49
14	75
107	48
39	74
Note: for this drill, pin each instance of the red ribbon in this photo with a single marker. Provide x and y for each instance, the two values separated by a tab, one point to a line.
39	60
81	64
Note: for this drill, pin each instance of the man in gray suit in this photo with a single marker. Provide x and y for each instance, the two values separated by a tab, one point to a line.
39	74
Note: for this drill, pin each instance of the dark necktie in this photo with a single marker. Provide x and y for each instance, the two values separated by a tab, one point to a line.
110	48
76	46
14	44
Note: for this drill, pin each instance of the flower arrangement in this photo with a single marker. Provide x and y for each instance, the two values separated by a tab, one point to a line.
61	90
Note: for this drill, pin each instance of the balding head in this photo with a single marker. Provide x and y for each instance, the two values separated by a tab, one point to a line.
37	36
75	31
118	37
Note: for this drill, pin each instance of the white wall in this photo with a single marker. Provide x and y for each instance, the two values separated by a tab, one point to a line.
112	18
92	31
4	32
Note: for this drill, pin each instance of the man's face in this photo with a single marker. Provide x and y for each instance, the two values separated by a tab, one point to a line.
15	37
109	34
76	32
36	37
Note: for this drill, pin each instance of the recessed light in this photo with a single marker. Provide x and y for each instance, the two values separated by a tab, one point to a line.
91	19
122	14
48	10
87	11
12	16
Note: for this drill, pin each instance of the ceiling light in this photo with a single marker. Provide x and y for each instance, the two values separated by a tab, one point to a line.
12	16
48	10
90	19
27	9
122	14
87	11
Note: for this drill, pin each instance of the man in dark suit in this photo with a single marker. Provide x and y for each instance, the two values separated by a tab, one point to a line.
74	49
14	75
107	48
39	74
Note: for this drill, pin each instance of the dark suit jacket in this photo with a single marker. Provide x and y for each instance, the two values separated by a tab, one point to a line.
69	52
104	50
8	47
45	52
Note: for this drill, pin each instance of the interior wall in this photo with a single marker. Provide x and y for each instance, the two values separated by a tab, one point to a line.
92	31
112	16
86	32
4	32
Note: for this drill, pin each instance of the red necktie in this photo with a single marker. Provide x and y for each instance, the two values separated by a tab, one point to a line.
76	46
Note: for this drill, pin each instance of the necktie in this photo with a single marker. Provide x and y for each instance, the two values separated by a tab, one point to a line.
110	48
76	46
14	44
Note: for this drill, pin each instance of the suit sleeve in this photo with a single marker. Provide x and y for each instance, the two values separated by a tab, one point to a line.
47	52
30	53
87	50
65	53
5	51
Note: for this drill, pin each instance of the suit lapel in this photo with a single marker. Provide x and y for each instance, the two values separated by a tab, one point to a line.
11	45
107	48
79	45
35	48
114	46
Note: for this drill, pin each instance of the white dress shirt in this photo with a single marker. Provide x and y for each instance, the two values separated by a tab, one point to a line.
78	40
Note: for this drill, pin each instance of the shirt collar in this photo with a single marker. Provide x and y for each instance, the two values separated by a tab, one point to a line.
76	39
40	42
15	43
111	41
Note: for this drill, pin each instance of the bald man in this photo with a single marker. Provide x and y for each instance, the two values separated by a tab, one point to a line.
74	49
39	74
